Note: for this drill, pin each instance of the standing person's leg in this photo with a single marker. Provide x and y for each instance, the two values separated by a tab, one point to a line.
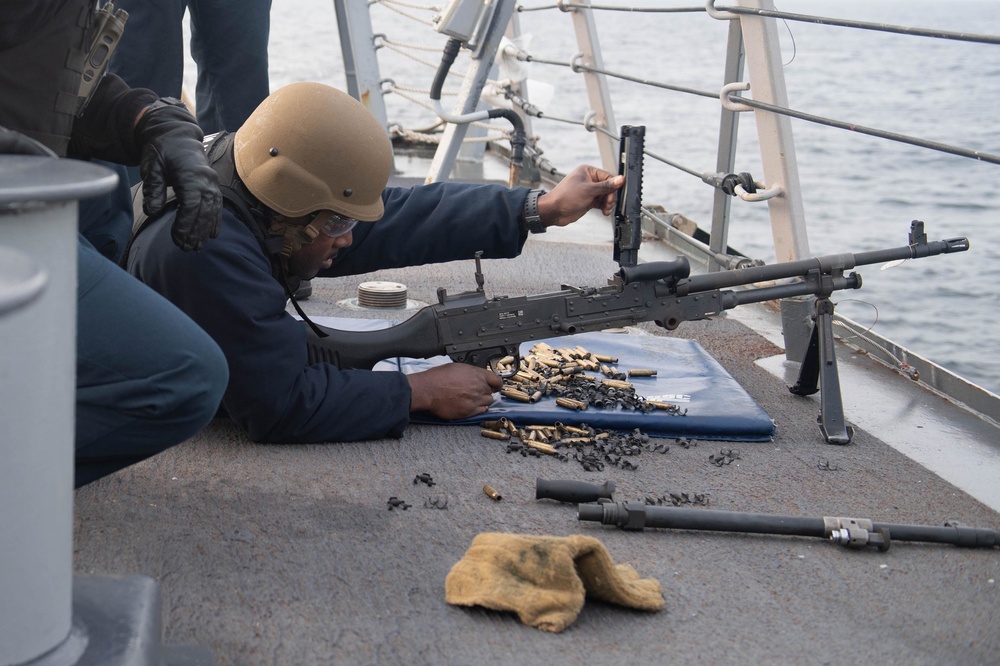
147	376
150	53
229	42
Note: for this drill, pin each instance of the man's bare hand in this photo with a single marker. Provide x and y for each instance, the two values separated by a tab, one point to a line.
584	188
453	391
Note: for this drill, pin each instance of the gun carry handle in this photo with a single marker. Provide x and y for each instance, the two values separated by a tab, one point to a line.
678	269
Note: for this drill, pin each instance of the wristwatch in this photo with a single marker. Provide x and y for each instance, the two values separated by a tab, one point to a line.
532	220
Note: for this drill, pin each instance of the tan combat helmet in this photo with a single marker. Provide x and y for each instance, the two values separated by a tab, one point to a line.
310	147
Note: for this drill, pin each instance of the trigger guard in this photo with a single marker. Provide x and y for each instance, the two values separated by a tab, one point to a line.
494	362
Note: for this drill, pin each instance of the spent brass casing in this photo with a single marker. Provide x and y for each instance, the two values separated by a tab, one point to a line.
571	429
642	372
570	403
616	383
541	446
605	359
662	405
494	434
514	394
492	494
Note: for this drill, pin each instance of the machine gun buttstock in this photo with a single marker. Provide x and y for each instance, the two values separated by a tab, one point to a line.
417	337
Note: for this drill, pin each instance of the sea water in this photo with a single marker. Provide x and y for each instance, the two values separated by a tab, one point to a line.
859	192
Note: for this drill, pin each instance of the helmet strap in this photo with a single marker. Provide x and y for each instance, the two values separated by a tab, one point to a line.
295	236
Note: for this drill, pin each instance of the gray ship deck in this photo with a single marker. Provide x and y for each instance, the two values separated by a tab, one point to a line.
288	555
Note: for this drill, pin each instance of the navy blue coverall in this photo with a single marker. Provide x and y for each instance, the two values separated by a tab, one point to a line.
228	289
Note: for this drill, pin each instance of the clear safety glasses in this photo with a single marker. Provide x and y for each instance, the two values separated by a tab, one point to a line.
335	225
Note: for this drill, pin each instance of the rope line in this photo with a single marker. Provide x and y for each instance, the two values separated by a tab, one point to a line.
411	5
390	5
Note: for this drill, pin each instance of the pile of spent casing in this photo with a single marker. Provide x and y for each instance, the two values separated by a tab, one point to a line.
590	447
547	371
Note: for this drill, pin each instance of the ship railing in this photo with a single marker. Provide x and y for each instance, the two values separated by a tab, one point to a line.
752	51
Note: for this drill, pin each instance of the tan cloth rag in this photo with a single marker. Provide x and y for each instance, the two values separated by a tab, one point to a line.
544	579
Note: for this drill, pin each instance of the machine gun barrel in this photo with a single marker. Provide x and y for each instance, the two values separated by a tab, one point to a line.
852	532
828	264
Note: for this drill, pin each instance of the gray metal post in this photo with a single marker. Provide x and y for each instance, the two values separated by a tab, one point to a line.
597	84
357	45
38	220
48	616
726	156
767	84
774	131
469	95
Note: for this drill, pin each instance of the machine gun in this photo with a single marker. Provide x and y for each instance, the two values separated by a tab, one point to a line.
471	328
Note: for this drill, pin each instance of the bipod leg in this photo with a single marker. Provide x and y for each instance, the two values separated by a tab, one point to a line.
819	372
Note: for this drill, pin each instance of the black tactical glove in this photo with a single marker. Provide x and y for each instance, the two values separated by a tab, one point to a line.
172	155
15	143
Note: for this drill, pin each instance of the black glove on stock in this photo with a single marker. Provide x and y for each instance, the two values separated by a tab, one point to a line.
15	143
172	155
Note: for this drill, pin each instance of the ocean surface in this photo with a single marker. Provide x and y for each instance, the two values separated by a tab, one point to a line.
859	192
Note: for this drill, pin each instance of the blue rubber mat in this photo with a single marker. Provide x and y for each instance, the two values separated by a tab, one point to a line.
717	407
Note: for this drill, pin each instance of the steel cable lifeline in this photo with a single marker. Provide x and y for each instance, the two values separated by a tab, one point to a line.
736	100
720	12
569	6
577	66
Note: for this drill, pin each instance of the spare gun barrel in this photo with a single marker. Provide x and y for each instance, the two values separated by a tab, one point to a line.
850	531
574	492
